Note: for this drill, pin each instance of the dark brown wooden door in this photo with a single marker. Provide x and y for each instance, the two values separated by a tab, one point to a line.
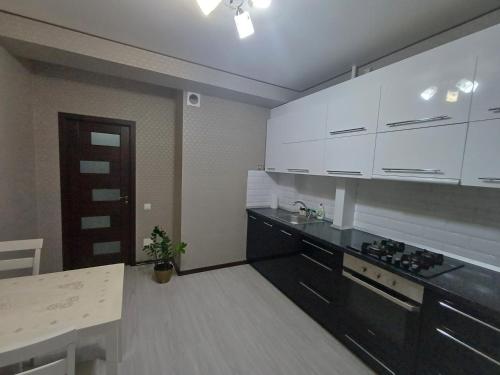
97	158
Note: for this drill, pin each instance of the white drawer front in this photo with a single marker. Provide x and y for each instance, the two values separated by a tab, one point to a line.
482	155
429	153
350	156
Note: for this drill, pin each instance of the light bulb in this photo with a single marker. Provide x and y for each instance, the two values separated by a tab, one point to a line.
243	23
207	6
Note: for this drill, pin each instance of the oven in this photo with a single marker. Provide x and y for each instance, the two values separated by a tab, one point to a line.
381	316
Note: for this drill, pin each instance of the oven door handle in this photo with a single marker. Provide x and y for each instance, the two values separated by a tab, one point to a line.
397	301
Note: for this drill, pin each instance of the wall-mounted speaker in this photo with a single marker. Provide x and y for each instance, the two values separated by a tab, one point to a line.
193	99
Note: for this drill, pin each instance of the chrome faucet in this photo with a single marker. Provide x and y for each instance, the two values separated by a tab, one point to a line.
308	210
302	203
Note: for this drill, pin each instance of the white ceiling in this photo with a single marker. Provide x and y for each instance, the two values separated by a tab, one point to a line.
297	44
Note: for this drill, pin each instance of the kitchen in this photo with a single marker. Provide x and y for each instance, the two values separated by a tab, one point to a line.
250	187
427	306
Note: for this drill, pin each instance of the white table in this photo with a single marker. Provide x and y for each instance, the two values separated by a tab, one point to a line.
88	300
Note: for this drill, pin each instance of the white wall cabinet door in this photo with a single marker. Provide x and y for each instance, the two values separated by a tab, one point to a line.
350	156
274	146
482	155
304	157
306	124
353	107
486	97
432	154
434	88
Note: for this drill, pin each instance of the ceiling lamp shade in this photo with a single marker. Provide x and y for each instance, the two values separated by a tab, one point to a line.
207	6
261	3
243	23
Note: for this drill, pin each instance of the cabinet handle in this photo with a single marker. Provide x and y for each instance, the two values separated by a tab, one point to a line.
252	217
405	305
345	172
353	130
317	247
269	225
419	121
270	169
461	343
369	354
285	232
412	170
446	306
495	110
298	170
314	292
489	179
315	261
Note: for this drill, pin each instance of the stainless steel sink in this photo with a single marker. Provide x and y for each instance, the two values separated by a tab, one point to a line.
296	219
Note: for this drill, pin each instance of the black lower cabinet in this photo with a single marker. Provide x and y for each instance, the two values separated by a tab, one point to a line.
318	277
306	271
456	339
271	250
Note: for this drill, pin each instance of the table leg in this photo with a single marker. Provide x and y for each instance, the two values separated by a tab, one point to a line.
113	349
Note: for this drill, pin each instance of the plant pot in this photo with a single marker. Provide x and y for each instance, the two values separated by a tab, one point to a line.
163	273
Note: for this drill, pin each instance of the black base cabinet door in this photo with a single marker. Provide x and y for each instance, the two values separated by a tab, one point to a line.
456	339
319	270
271	250
306	271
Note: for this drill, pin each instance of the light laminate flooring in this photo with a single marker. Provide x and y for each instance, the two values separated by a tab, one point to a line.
225	322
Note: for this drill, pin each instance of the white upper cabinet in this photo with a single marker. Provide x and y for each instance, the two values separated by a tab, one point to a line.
350	156
305	124
434	88
353	107
482	155
304	157
486	97
426	154
274	146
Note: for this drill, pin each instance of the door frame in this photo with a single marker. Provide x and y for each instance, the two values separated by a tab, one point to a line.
64	168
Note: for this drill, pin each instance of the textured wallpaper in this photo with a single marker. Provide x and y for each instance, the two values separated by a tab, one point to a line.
153	109
222	140
17	192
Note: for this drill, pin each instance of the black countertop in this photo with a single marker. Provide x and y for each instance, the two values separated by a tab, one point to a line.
472	285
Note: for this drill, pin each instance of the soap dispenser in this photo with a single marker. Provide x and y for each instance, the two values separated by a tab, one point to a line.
320	214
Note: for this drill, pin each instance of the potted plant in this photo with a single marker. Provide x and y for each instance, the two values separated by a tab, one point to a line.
163	251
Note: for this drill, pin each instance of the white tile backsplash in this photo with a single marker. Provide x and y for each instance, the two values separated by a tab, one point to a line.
260	187
459	220
312	190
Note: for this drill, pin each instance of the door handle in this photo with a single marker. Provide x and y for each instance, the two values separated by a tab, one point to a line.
353	130
419	121
412	170
405	305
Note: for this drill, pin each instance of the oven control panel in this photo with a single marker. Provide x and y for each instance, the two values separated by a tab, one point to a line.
386	278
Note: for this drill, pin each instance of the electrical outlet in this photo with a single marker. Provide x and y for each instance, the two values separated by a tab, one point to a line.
147	241
147	206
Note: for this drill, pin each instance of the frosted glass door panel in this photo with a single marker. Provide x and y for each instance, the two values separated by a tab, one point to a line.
104	139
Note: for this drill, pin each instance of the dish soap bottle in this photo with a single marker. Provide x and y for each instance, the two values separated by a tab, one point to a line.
320	214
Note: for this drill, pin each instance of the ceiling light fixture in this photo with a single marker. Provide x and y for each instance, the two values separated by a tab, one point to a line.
242	18
263	4
207	6
243	23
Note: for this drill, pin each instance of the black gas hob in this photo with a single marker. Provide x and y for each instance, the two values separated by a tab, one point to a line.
424	263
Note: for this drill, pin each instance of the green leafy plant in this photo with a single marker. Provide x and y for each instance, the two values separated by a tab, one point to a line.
162	249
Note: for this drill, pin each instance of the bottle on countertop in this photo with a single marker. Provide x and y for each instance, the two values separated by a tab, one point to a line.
320	213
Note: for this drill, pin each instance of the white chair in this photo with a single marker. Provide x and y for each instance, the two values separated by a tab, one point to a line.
47	345
22	263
